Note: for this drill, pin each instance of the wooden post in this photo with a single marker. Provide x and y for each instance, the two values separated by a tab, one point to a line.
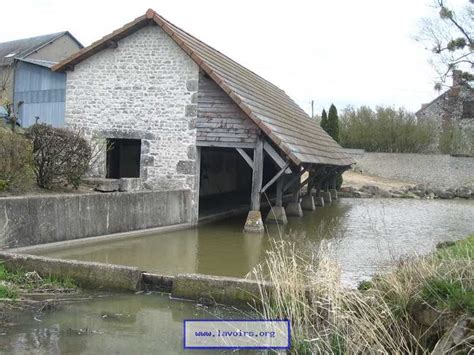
257	175
254	223
318	200
279	196
277	213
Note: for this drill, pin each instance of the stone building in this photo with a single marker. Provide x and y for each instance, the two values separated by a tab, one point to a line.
178	114
26	80
452	113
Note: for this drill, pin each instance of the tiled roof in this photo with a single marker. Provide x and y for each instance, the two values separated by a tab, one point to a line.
274	112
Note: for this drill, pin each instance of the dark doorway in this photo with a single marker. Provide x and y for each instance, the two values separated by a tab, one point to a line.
225	181
123	158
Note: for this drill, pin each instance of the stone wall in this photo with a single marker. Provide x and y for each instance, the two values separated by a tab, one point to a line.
31	220
146	89
449	113
437	170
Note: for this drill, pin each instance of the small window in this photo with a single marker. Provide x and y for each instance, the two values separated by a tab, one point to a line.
468	109
123	158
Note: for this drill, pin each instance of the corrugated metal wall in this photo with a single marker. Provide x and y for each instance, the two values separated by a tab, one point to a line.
42	92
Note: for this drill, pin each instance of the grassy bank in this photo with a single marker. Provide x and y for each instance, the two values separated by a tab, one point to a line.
18	284
424	305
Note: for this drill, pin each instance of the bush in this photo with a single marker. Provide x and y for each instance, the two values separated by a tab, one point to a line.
16	160
59	155
385	130
454	141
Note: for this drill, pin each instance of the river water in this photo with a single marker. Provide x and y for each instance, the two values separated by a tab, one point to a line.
365	235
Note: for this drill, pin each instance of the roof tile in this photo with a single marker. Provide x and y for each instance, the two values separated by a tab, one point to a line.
271	109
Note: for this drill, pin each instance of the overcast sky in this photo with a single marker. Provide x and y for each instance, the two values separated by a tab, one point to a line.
343	52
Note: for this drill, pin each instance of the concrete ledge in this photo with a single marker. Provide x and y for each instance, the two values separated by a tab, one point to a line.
205	289
85	274
100	239
216	289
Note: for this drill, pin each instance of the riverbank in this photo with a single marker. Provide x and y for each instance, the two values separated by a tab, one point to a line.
359	185
425	305
29	292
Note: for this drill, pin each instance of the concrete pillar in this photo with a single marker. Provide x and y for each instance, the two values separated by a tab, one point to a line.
277	215
307	203
327	197
254	223
294	209
333	194
319	201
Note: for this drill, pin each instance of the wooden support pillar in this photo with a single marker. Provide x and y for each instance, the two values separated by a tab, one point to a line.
294	207
318	199
279	192
254	221
257	175
334	188
277	213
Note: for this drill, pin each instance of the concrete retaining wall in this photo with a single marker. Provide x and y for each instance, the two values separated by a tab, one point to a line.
216	289
437	170
30	220
201	288
85	274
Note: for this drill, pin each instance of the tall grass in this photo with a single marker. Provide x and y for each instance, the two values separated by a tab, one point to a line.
384	316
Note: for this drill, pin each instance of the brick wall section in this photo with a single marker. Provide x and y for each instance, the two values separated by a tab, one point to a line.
144	89
437	170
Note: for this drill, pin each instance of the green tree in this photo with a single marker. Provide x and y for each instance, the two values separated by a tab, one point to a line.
324	120
333	123
330	123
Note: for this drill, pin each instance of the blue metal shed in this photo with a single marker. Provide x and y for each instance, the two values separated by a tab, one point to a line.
39	93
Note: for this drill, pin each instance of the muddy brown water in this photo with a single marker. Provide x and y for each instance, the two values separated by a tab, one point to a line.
366	236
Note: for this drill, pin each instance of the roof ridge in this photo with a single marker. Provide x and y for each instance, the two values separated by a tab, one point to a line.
34	37
207	45
263	102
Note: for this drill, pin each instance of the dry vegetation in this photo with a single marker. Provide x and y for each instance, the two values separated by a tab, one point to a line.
425	305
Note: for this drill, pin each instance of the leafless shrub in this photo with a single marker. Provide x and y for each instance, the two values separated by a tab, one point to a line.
60	155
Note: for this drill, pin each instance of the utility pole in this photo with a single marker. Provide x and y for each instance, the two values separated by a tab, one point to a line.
312	108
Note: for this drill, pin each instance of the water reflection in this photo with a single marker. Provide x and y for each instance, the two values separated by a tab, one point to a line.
140	324
364	234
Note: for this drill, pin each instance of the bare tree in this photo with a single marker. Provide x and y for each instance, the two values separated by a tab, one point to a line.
449	36
6	75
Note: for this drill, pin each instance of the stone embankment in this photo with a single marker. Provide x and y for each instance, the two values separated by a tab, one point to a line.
420	191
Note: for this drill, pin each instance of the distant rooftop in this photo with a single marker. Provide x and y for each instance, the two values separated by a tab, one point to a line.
21	48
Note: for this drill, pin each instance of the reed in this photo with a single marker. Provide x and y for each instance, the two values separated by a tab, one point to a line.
385	315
